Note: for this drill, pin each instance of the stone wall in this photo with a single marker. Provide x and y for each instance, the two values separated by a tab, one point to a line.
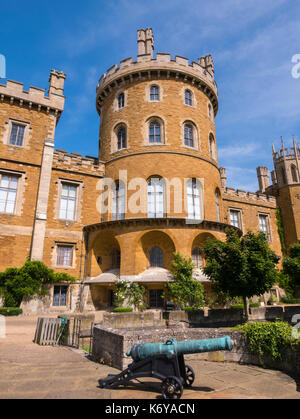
197	318
110	347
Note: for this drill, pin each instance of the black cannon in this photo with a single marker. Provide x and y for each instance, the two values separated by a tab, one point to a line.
165	361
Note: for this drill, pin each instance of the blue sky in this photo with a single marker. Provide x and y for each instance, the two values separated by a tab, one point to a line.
252	43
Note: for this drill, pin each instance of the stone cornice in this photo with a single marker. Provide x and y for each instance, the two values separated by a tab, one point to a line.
161	223
146	68
181	153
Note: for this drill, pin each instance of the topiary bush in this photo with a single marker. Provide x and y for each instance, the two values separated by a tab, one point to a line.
10	311
123	310
287	300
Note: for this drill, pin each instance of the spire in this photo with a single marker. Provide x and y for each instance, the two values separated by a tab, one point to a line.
283	149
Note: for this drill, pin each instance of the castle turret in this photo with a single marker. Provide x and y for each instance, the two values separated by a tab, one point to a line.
286	184
263	178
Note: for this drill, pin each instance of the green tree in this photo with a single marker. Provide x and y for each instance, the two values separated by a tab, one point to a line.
130	292
184	290
291	265
241	267
28	281
120	293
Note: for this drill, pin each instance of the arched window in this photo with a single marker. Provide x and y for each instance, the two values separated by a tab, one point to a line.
122	138
193	200
154	93
212	147
154	132
294	173
156	257
155	198
188	98
197	258
121	100
189	135
115	259
217	196
209	111
118	201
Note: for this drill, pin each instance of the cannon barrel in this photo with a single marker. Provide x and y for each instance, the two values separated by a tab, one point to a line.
172	347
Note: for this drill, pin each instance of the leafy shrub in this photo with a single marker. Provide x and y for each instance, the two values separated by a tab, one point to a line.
184	290
268	338
190	308
123	310
287	300
10	311
28	281
252	305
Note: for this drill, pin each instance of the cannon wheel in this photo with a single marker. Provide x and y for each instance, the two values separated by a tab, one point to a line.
171	388
190	376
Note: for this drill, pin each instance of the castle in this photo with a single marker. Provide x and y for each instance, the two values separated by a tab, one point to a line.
155	187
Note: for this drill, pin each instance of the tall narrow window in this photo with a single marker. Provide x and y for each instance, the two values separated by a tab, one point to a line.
209	111
8	193
154	93
217	195
60	295
118	201
156	257
188	98
235	218
64	255
188	135
156	298
294	174
17	134
115	259
154	132
283	175
122	138
212	147
155	198
197	258
264	225
121	100
193	200
68	202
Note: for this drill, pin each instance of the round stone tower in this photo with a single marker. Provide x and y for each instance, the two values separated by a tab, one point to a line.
286	186
162	186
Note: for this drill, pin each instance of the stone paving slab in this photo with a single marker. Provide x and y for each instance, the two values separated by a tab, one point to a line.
36	372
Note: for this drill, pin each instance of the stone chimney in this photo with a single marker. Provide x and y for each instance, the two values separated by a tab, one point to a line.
145	42
56	83
223	177
263	178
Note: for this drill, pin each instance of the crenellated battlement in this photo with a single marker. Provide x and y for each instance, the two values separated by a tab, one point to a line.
257	197
35	97
77	163
200	74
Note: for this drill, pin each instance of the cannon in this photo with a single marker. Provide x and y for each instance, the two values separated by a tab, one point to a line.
165	361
